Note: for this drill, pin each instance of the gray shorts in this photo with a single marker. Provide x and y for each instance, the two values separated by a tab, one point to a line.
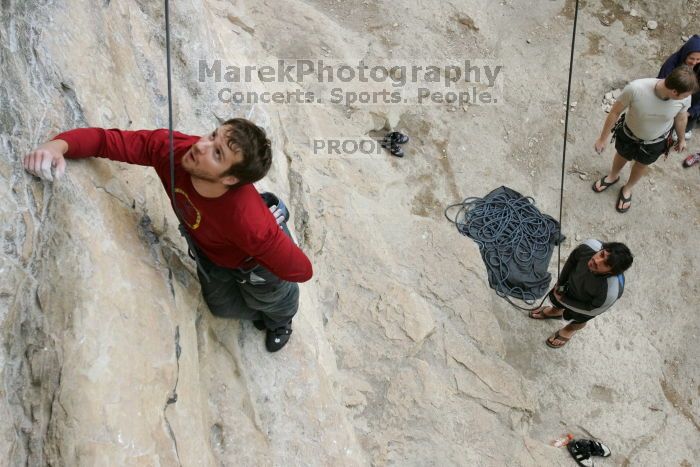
252	294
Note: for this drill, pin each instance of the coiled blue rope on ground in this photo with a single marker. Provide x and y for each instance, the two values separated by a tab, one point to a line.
515	239
515	232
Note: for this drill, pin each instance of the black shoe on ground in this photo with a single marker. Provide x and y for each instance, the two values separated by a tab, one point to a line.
278	338
259	324
393	147
397	137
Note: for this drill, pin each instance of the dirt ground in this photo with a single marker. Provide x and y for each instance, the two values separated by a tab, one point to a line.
631	377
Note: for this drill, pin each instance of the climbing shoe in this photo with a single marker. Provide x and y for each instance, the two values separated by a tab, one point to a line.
272	201
393	147
396	137
582	450
278	338
598	448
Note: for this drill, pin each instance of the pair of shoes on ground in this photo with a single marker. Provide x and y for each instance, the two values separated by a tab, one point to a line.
691	160
621	198
392	142
582	451
276	338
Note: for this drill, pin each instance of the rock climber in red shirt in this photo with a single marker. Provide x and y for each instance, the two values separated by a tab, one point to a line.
251	265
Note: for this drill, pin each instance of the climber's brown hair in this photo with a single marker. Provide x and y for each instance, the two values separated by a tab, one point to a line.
251	141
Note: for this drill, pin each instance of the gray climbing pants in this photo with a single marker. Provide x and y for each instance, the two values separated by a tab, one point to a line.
252	294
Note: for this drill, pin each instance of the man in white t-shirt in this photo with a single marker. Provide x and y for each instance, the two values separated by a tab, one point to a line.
654	108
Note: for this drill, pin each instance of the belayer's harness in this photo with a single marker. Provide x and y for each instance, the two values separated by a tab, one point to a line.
621	126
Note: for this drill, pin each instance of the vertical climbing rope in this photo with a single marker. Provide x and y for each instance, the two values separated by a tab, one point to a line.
512	230
181	227
566	134
170	110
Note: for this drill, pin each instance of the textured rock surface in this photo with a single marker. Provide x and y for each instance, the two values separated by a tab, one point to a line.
401	354
110	357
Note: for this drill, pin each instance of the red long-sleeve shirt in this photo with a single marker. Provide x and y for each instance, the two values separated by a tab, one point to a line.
228	229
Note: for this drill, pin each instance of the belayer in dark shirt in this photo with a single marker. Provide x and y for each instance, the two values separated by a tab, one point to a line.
590	282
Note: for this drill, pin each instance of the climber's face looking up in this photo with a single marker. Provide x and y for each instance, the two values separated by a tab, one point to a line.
238	151
211	158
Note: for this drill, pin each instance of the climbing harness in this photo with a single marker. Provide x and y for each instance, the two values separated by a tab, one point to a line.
191	248
513	230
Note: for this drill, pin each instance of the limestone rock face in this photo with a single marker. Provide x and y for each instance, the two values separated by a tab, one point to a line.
401	354
109	356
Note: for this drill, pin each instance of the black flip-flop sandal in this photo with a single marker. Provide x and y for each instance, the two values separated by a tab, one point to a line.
557	336
622	200
603	184
397	137
581	452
